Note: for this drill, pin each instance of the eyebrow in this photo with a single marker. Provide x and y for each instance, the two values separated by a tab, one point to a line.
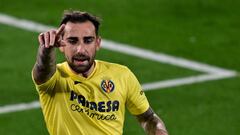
88	37
73	38
76	38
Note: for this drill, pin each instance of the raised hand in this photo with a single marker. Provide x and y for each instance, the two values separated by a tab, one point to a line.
52	38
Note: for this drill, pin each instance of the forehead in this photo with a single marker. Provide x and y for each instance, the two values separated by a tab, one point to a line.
79	29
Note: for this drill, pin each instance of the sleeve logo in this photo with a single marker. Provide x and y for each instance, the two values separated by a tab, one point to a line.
107	86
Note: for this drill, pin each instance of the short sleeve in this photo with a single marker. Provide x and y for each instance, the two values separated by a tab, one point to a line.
49	84
137	102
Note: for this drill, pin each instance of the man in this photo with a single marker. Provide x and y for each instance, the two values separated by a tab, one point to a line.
84	95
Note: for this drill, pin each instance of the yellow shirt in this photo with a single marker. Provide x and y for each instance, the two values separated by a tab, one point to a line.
75	105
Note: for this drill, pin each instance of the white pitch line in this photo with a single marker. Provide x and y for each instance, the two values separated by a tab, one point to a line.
19	107
213	73
123	48
161	57
183	81
23	24
148	86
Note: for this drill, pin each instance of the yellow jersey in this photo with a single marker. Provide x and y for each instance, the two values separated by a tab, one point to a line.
75	105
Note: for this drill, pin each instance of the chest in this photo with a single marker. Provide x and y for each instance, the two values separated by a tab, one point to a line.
102	95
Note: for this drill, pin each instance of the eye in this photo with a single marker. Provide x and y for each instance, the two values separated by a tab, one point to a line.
88	40
72	41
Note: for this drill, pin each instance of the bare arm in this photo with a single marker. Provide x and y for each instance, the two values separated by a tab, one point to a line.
151	123
45	65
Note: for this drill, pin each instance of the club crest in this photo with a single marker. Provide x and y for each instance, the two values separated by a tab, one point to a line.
107	86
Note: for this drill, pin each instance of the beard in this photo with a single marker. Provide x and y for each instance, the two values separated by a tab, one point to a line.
81	63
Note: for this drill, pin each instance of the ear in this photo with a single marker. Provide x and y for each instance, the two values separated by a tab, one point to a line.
98	43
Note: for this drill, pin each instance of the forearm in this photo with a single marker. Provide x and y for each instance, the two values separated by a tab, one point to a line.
151	123
154	126
45	65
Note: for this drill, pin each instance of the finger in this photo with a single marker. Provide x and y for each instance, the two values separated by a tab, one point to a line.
61	43
46	39
52	38
41	39
60	30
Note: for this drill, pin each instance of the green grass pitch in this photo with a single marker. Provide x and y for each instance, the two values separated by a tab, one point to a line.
204	31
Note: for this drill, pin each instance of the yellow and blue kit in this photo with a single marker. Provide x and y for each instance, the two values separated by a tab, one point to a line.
74	105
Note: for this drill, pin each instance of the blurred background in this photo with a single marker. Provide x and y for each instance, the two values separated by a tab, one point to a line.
205	31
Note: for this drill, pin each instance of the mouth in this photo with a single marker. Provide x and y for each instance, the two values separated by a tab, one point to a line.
80	61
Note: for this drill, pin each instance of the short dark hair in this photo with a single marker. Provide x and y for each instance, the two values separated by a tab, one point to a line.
80	17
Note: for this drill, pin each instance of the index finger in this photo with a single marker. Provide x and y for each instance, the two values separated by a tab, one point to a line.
60	30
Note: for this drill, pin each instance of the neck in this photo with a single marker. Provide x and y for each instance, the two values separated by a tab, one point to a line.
87	73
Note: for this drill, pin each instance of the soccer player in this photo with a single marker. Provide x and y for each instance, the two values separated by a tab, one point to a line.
83	95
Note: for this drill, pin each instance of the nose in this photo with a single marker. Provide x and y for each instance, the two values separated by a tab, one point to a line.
80	48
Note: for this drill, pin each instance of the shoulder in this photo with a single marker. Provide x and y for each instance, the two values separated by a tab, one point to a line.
62	68
113	66
117	70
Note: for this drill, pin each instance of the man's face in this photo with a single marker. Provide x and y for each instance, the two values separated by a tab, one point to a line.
80	47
